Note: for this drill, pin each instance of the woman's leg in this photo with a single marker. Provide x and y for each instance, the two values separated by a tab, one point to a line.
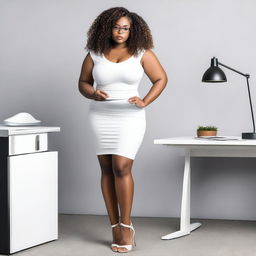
109	194
124	190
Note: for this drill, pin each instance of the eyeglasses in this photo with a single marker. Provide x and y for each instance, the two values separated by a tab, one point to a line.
124	29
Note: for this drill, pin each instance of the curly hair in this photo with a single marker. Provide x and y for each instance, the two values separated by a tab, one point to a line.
100	33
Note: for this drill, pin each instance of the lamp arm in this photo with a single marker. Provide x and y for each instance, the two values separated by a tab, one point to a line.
246	75
248	87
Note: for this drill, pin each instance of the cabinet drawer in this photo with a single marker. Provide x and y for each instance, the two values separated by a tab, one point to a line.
28	143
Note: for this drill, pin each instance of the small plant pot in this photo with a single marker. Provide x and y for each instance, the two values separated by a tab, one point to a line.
206	133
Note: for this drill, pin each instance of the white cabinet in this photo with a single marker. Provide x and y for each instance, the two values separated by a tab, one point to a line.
33	194
28	188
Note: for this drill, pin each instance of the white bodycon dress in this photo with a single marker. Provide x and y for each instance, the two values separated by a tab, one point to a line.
118	125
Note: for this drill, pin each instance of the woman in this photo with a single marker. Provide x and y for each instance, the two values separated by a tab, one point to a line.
119	44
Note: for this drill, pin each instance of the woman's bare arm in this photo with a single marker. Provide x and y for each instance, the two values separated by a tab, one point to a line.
85	83
156	74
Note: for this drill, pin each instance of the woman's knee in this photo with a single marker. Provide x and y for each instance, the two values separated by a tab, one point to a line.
121	168
105	164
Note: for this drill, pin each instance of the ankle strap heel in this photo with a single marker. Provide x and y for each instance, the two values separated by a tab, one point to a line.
112	226
129	247
114	245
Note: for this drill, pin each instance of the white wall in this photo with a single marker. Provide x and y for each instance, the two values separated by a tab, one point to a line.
41	52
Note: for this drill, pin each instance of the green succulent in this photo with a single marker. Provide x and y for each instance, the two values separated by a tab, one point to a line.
207	128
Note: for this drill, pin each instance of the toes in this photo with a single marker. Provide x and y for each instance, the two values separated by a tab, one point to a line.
122	250
114	248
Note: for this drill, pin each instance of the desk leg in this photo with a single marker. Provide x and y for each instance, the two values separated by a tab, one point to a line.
185	226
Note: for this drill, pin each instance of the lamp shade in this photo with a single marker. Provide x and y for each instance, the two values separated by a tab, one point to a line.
214	74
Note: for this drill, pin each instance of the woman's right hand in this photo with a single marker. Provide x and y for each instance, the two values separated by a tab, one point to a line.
100	95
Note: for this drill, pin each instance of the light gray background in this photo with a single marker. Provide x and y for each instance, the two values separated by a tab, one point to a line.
41	52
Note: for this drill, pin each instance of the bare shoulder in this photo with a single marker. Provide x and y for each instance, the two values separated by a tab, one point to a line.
149	56
88	60
148	53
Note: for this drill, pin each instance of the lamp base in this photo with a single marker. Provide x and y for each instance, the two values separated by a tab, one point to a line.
249	135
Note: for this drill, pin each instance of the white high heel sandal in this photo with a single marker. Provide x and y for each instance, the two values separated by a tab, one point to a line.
113	245
128	246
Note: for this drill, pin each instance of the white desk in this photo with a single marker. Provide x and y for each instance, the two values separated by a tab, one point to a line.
195	147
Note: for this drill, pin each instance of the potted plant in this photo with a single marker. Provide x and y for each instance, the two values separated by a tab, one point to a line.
206	131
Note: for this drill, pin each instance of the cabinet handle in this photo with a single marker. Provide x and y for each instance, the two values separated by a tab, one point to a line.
37	142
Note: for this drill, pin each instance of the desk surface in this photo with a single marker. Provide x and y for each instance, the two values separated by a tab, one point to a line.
5	130
190	141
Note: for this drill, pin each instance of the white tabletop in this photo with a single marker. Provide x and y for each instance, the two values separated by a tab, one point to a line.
5	130
193	141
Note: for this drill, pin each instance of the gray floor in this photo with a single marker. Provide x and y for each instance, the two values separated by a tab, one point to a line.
90	235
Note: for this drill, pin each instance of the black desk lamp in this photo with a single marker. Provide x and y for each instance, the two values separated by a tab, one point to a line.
215	75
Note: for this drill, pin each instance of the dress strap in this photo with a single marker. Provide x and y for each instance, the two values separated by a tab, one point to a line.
95	57
92	55
141	54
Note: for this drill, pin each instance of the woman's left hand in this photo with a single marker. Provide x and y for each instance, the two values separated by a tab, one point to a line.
137	101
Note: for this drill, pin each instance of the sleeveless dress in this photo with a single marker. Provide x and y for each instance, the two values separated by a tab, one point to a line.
118	126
